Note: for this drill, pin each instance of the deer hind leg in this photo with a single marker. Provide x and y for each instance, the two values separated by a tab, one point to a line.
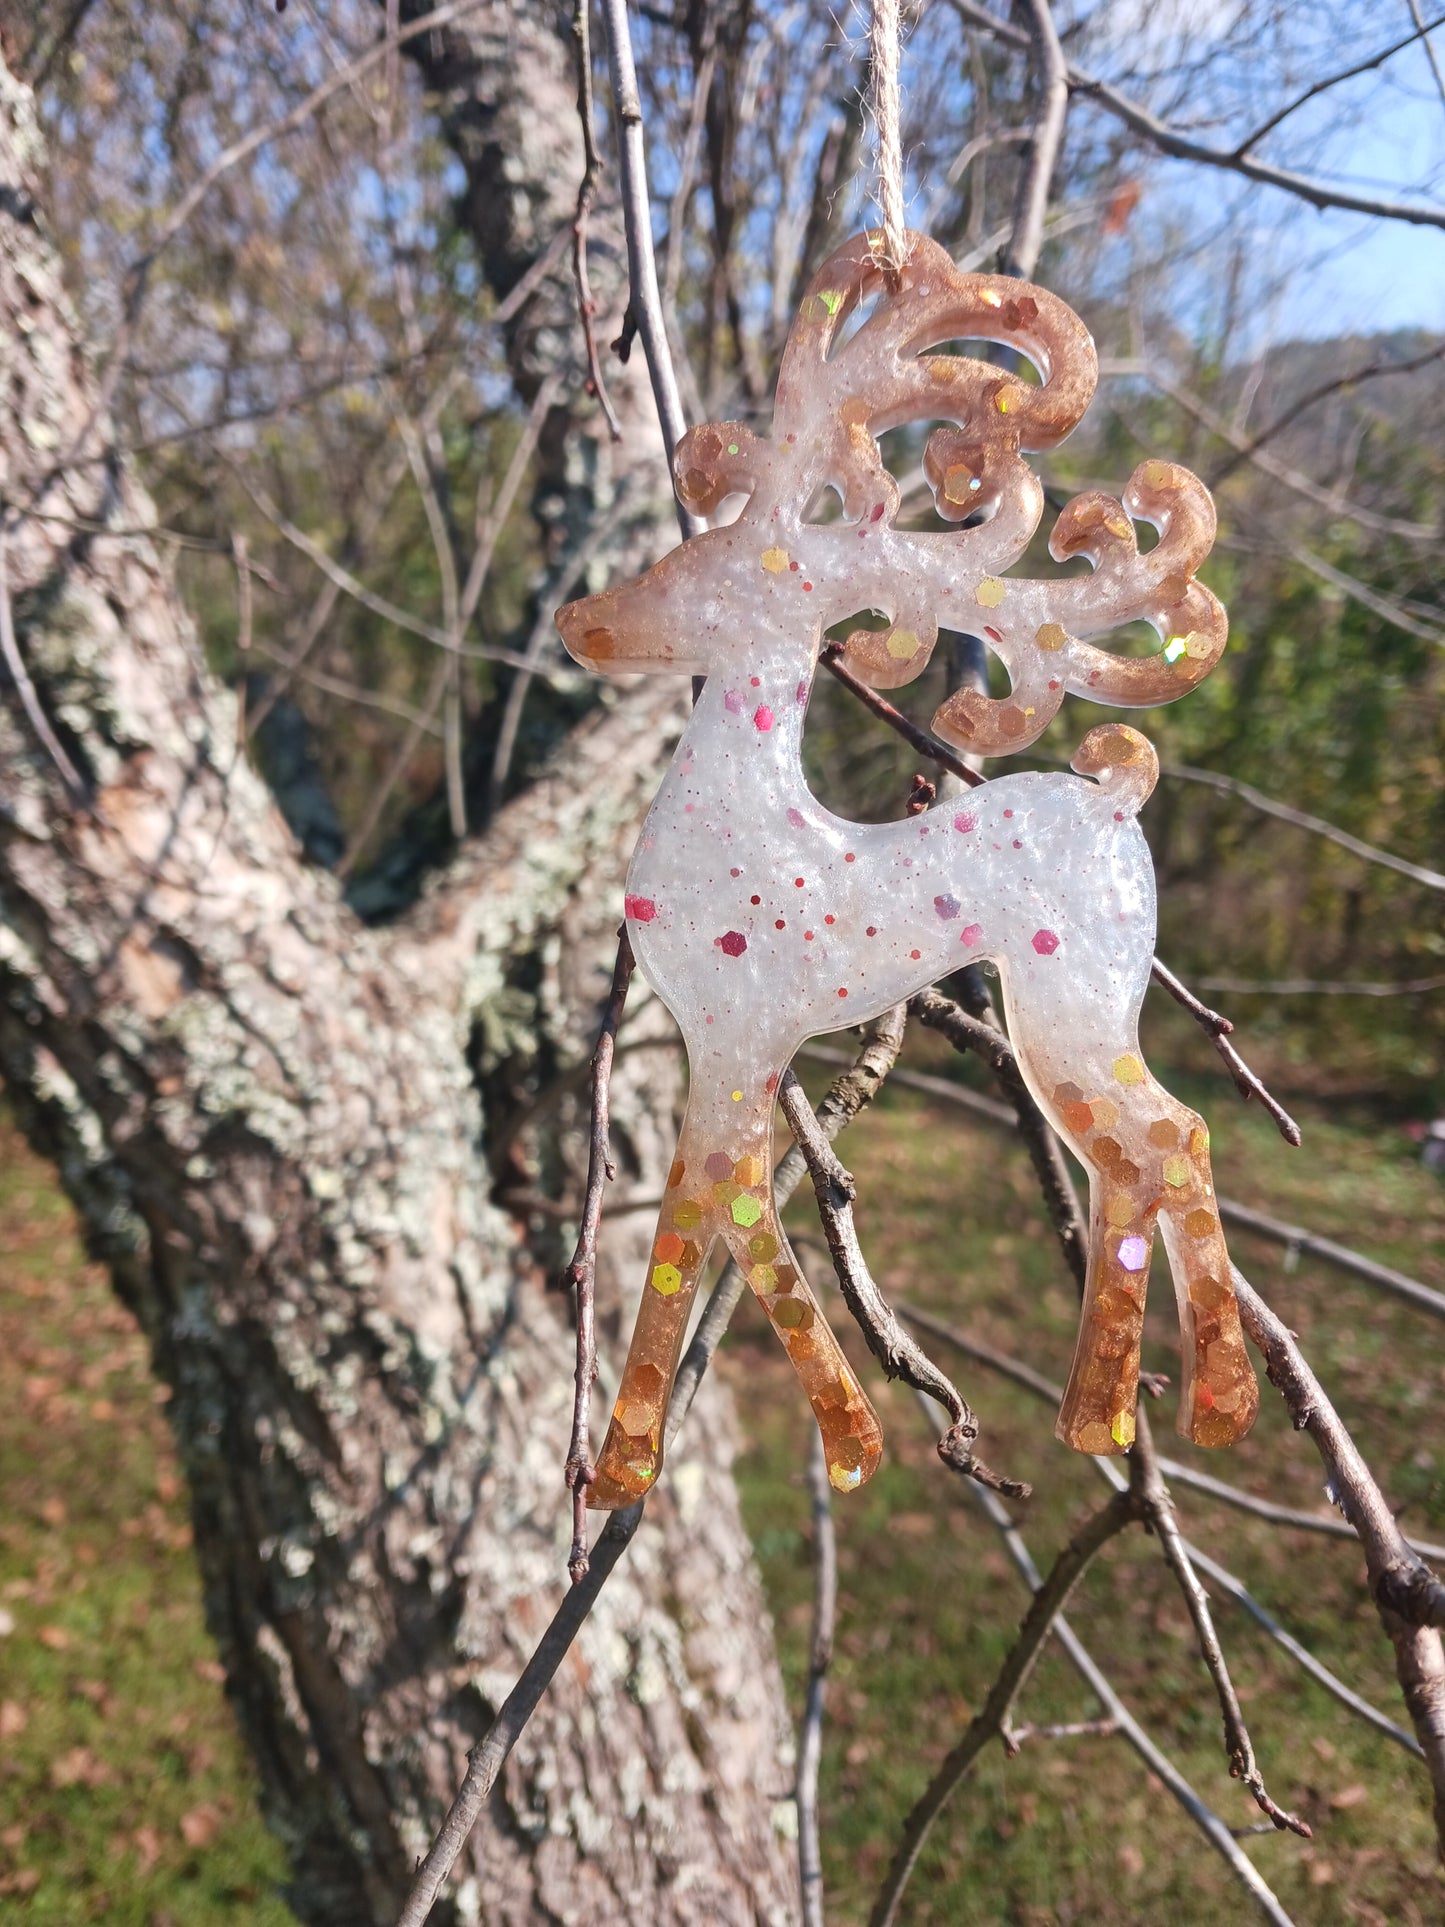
1149	1159
852	1437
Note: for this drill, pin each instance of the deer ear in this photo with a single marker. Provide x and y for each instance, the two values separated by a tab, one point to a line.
716	460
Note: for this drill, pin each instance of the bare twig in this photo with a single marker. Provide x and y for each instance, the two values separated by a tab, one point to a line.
544	631
1302	820
1044	1616
1217	1029
586	193
820	1658
1182	147
988	1108
1417	15
1324	86
644	307
882	1041
1158	1509
1210	1825
1332	501
489	530
899	1355
137	275
1301	1655
687	161
25	688
1338	384
1044	1388
1322	986
1296	1238
968	1033
581	1273
1400	1581
1408	1596
1046	138
1323	1523
926	745
1015	1737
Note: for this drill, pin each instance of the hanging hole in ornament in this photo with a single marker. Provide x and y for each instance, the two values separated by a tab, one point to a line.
1006	356
825	507
852	323
1130	639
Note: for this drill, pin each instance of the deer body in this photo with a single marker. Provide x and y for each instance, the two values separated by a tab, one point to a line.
761	918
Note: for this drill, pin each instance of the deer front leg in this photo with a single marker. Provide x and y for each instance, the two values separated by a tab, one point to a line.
631	1455
721	1186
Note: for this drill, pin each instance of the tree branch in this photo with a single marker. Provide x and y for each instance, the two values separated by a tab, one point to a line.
1184	148
1047	136
581	1273
820	1658
898	1354
1051	1595
645	301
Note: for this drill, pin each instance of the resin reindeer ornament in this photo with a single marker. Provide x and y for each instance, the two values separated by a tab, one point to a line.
760	918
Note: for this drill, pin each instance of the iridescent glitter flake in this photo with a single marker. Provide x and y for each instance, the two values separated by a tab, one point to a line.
761	918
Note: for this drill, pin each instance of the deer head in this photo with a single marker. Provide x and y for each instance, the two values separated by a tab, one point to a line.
785	571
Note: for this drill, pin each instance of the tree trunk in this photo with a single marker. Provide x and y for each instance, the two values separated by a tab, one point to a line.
278	1127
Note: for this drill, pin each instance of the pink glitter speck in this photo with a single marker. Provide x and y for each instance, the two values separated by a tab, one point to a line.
972	933
732	943
1045	942
640	909
733	702
763	716
797	819
965	821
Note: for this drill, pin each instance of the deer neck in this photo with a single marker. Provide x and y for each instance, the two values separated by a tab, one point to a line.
745	736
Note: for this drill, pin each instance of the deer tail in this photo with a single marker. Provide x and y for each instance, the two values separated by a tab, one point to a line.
1125	763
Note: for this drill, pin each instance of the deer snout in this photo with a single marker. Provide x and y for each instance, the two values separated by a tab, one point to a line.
649	623
595	630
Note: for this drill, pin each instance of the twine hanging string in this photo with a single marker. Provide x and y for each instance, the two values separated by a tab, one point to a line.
883	39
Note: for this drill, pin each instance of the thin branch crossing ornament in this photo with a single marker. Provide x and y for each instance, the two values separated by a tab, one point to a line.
760	918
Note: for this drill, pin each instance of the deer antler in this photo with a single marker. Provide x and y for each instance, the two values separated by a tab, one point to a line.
1036	627
835	396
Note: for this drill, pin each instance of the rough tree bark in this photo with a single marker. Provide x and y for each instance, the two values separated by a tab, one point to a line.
272	1121
504	82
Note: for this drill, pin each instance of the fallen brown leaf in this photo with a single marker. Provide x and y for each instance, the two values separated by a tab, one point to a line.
78	1767
200	1826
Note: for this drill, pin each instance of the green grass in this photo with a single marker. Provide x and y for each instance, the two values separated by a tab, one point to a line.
1073	1831
125	1795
